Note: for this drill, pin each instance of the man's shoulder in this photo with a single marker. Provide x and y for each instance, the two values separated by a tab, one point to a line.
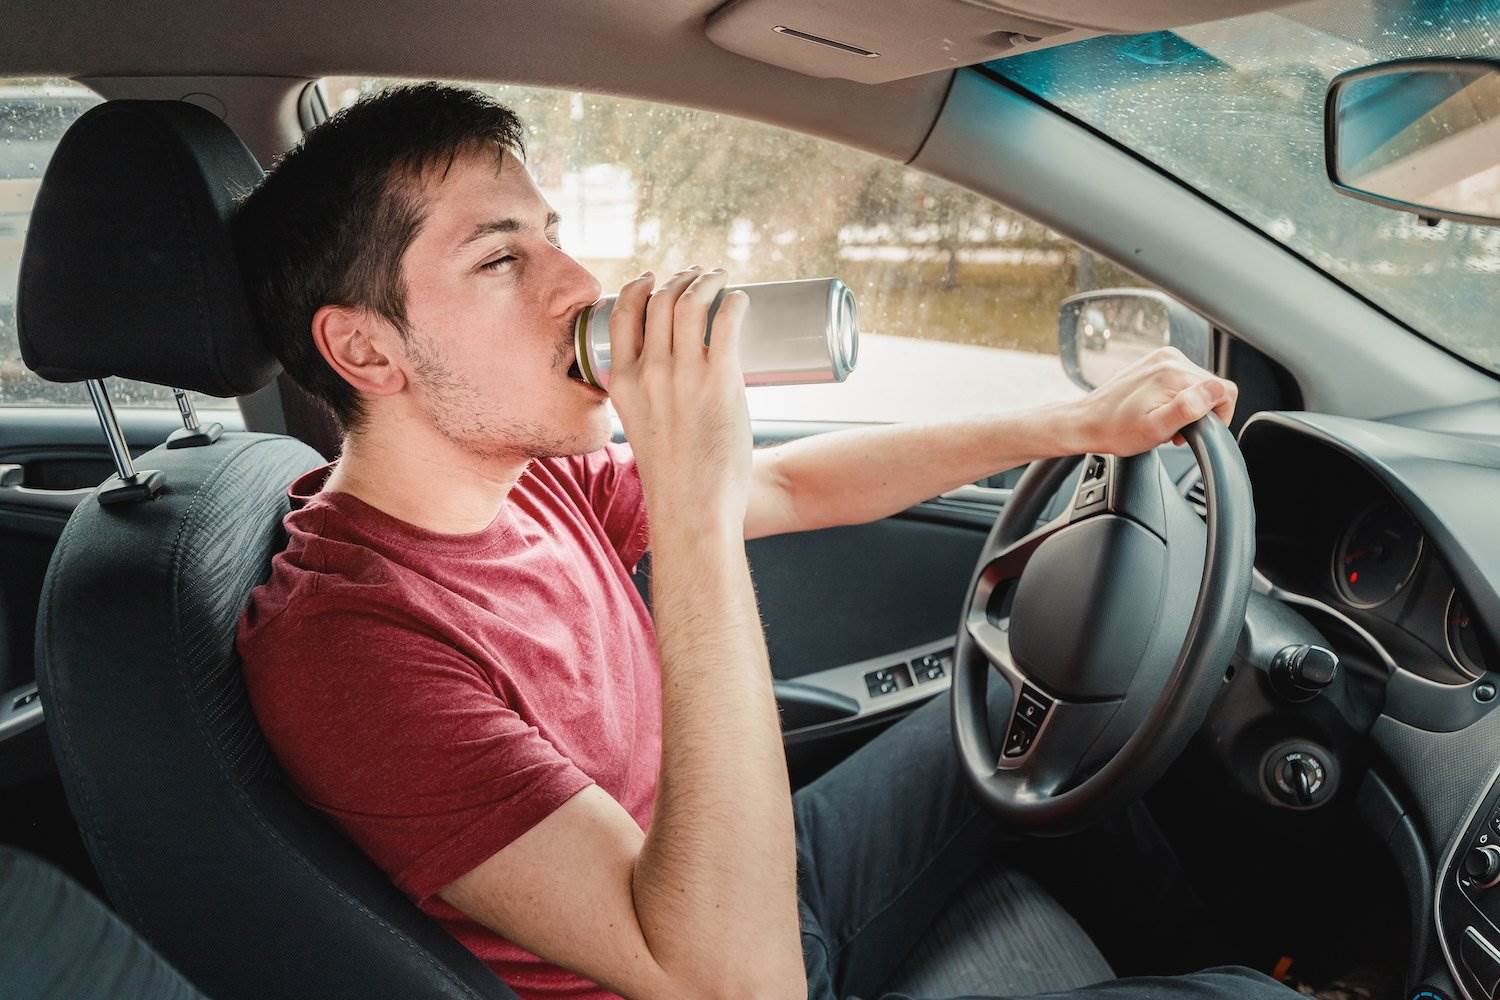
328	593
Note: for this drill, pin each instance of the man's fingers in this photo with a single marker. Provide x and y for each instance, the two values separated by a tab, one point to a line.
1187	406
627	320
659	309
1225	410
690	315
724	338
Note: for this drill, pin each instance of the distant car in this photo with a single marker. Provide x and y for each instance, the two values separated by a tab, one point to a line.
1093	330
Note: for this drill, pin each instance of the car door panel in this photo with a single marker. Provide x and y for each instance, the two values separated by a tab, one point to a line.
62	456
849	594
860	619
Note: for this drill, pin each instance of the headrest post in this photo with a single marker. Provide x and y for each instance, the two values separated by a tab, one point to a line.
126	485
191	434
186	408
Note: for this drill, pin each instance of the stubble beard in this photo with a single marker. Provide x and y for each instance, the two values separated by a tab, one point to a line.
467	418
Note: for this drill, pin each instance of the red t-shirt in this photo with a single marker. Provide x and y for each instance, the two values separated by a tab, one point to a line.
438	695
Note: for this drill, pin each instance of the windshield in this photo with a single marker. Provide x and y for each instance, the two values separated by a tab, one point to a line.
1235	109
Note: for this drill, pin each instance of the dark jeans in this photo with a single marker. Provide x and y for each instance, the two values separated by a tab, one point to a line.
886	838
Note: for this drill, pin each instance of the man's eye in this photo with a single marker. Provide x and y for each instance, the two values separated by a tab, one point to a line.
495	264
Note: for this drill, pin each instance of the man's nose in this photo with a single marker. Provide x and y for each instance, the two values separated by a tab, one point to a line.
577	286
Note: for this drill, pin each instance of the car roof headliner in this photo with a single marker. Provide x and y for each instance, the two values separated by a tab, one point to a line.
615	48
651	49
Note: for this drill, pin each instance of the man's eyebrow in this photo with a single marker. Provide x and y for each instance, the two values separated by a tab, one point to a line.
504	226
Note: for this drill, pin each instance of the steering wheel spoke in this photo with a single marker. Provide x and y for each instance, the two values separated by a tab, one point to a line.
1110	624
1031	709
1033	715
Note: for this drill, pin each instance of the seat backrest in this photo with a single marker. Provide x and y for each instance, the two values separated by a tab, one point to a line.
198	839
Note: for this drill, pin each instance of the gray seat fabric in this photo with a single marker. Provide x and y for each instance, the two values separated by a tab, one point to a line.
60	943
1001	935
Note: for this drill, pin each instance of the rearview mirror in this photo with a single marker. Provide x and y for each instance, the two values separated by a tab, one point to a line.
1101	332
1419	135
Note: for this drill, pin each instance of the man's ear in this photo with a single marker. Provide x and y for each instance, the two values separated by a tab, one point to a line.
356	344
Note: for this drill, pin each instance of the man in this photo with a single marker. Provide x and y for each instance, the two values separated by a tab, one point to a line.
450	659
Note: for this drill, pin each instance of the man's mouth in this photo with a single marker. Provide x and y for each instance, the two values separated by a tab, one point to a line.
574	372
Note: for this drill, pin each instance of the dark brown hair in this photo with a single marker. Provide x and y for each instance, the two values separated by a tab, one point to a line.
330	223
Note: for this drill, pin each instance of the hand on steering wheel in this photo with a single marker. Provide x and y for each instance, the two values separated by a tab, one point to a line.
1112	624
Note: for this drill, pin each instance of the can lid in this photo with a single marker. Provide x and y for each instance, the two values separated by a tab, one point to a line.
582	349
843	333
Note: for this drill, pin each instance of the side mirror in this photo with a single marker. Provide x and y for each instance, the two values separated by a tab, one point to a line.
1101	332
1418	135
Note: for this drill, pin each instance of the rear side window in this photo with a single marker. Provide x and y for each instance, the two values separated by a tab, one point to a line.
34	114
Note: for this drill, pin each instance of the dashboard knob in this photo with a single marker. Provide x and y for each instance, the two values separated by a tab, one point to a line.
1482	864
1300	672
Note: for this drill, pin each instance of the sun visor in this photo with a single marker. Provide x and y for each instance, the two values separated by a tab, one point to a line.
880	42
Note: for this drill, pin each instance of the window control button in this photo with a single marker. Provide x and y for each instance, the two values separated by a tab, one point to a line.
928	668
887	680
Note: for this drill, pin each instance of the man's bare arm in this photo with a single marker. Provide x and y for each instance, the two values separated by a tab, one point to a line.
860	475
704	905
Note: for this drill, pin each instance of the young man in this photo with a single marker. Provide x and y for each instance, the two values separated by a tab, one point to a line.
450	659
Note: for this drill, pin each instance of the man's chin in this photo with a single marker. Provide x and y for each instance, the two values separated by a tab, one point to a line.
593	434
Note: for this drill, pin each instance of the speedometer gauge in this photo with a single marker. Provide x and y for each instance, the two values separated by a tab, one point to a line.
1463	638
1377	556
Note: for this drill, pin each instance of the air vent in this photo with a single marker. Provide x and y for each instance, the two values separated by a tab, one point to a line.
1196	497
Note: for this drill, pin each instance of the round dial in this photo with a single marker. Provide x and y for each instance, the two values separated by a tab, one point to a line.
1377	556
1463	637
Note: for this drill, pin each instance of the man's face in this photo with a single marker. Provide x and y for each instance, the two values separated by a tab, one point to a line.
490	304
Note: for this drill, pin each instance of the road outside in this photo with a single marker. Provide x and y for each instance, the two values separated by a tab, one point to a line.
901	379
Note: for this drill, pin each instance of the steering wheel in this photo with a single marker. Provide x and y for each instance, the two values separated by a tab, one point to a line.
1113	624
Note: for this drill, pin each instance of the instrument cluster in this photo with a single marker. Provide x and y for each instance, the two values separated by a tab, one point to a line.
1347	542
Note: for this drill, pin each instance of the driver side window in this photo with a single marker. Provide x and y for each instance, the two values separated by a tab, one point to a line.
957	296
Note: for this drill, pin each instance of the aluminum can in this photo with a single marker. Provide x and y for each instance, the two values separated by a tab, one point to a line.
795	333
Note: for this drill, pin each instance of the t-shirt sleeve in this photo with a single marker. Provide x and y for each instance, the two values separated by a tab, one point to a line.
406	745
612	483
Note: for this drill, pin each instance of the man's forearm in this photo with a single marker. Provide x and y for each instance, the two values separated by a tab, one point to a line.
864	474
718	867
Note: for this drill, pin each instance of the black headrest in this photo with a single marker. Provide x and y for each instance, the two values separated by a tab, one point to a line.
128	268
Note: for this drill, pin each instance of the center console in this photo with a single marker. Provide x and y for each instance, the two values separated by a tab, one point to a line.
1468	901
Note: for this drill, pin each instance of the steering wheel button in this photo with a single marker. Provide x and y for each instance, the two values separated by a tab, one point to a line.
1030	695
1019	740
1089	497
1030	711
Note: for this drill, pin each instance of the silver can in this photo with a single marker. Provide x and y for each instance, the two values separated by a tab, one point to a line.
795	333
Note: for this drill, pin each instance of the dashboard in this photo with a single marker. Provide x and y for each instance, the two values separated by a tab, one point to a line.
1384	540
1332	527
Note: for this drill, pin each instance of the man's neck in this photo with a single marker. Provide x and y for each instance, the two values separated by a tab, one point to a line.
430	482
